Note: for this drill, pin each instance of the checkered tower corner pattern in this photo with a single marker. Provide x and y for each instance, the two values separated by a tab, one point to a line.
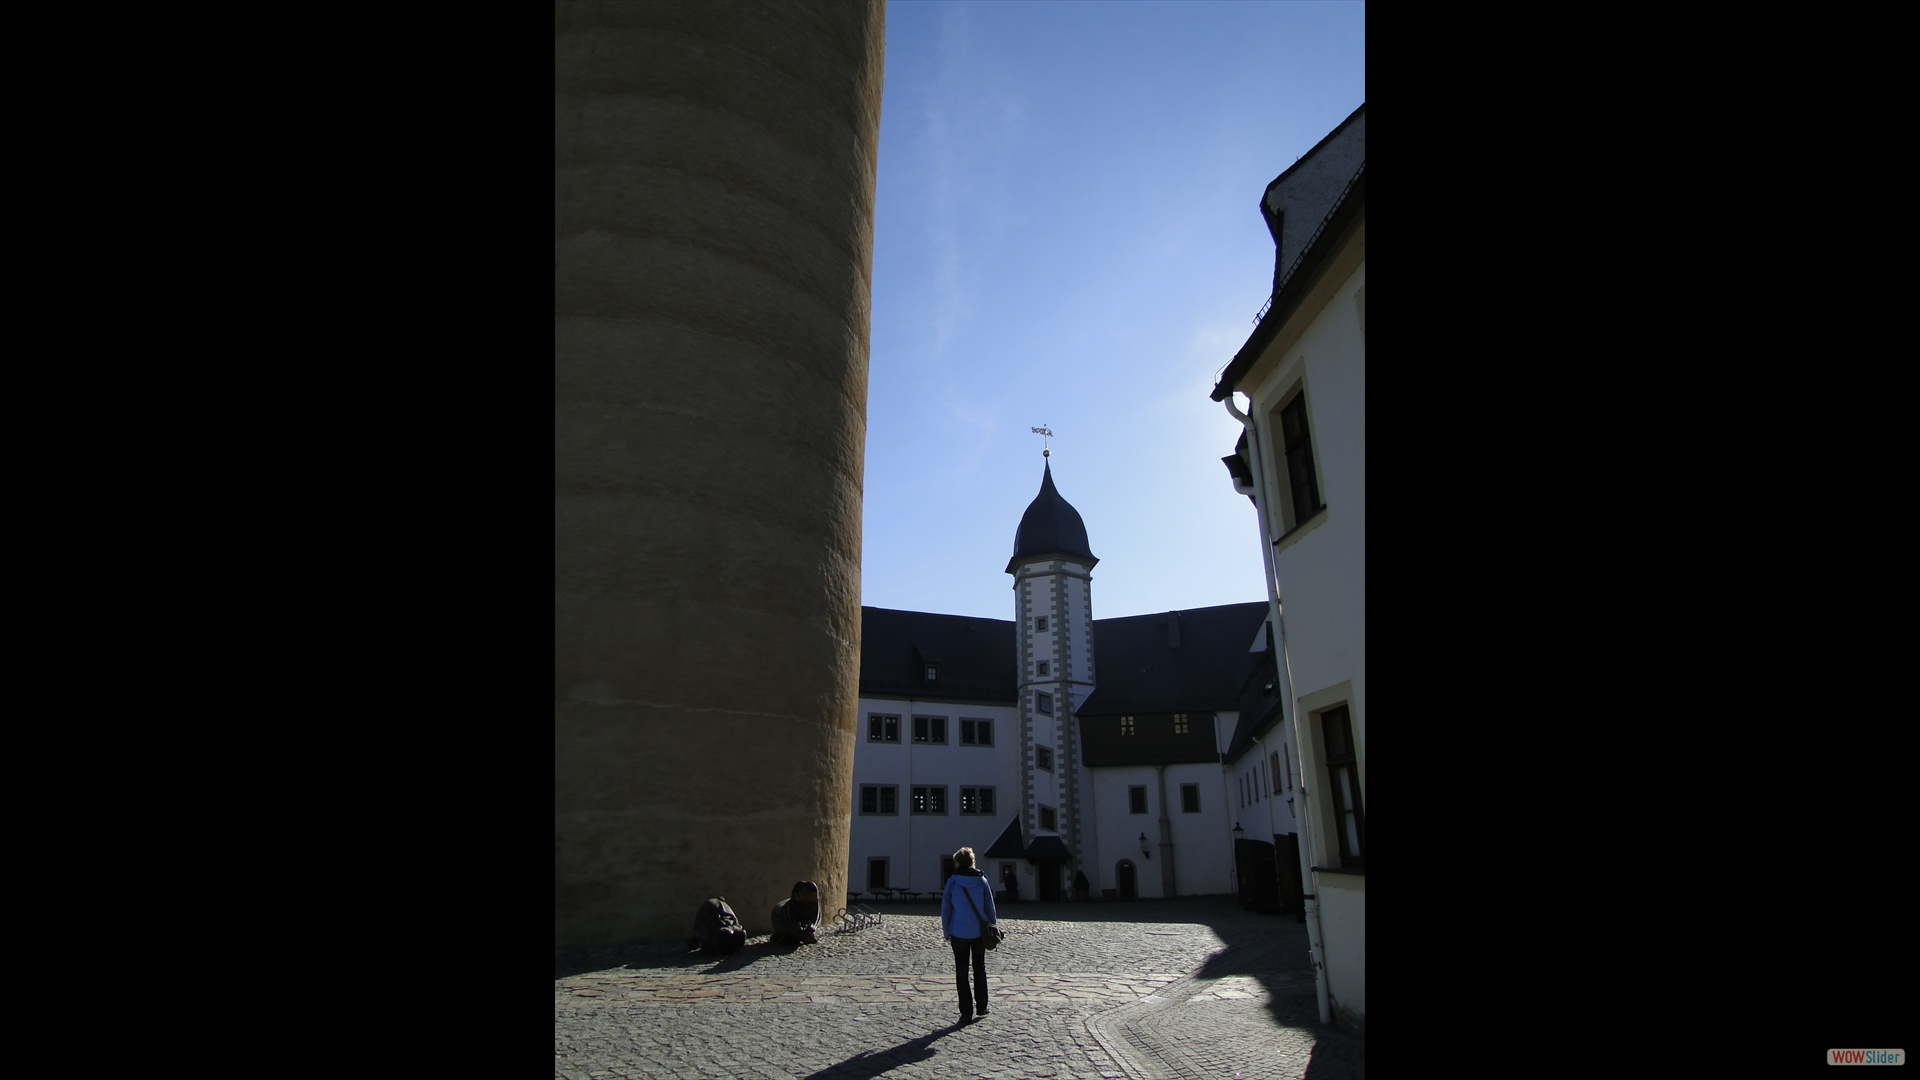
1024	612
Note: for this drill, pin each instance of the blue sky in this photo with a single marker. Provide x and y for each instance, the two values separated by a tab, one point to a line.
1066	233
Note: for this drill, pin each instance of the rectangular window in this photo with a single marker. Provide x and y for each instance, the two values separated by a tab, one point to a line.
930	799
879	799
1179	723
976	800
1189	798
1126	725
883	728
1137	800
1287	760
933	673
1040	624
1048	820
1044	703
1042	668
876	874
1302	485
1275	771
1343	776
1043	757
976	732
930	729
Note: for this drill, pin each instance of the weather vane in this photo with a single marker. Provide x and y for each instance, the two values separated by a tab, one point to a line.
1045	433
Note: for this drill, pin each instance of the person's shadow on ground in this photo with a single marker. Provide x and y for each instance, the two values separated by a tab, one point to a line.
871	1063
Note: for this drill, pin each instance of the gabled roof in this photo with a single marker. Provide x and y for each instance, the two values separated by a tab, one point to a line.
1260	701
1009	845
1138	669
974	658
1327	190
1048	847
1050	526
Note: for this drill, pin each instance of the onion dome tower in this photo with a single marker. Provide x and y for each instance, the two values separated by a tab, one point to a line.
1052	568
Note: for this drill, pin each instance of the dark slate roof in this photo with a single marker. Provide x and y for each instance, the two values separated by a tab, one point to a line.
1137	668
1259	705
1009	845
1048	847
1051	525
1153	740
974	657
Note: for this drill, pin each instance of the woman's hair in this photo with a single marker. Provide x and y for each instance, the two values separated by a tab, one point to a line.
963	858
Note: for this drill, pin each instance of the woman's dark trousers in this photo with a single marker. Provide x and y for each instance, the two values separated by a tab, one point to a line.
978	997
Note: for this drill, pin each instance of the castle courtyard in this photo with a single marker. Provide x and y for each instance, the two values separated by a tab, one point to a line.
1132	990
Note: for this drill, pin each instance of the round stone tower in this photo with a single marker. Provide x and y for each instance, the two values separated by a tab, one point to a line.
1052	569
713	222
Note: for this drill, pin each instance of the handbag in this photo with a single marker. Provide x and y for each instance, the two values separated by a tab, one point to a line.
990	934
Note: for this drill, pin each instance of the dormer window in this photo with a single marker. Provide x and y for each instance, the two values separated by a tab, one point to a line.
1040	625
932	673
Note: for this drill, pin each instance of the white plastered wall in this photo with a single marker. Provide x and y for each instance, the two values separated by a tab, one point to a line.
914	842
1322	577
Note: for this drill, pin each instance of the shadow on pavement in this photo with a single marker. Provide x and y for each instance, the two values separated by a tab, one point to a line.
870	1063
570	962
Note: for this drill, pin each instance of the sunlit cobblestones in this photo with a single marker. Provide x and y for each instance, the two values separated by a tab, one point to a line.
1117	992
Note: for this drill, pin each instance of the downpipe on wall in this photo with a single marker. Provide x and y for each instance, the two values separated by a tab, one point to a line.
1169	885
1310	897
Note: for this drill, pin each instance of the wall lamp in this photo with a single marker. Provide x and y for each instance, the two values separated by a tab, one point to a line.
1143	846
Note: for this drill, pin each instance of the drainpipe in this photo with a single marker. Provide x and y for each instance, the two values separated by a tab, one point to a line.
1167	888
1312	900
1226	800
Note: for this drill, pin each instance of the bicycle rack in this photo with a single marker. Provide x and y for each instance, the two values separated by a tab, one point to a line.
858	917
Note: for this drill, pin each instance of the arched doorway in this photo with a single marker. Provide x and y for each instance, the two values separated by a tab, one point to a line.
1123	873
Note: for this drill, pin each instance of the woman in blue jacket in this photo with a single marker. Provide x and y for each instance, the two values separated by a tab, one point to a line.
960	922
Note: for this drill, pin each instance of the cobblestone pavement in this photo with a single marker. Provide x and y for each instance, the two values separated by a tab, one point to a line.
1149	990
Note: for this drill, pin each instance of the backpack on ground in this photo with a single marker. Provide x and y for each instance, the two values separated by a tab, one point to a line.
716	928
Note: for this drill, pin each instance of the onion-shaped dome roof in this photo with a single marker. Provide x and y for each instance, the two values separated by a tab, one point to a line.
1050	526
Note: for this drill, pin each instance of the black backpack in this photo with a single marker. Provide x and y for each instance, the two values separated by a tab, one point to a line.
716	928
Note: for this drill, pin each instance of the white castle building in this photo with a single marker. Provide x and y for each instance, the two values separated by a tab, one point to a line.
1057	744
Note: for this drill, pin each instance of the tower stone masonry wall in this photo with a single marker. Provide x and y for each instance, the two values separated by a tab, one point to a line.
714	178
